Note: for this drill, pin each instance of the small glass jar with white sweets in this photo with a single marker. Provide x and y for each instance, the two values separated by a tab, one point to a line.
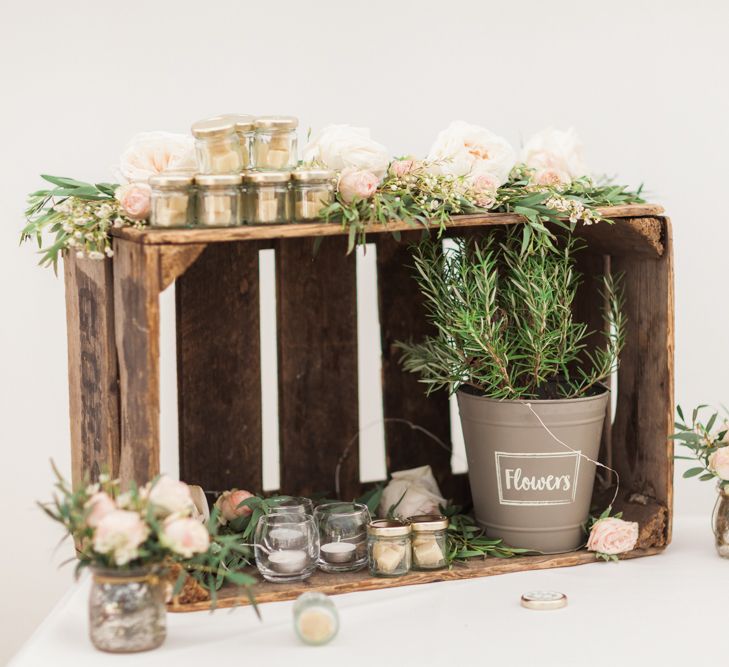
315	618
267	197
388	547
172	199
342	535
244	128
286	547
218	200
312	190
430	541
217	147
275	143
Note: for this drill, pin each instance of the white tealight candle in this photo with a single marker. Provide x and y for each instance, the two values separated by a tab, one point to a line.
288	562
338	552
287	538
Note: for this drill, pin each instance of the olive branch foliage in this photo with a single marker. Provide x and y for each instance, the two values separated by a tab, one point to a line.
504	323
702	438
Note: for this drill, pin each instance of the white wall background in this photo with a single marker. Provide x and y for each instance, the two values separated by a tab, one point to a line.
643	82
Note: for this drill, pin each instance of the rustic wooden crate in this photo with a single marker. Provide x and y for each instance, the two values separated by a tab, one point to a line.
113	333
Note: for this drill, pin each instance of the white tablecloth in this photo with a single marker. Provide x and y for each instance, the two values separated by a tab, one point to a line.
666	609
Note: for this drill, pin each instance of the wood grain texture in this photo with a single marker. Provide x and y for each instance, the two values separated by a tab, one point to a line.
175	260
93	374
218	369
641	236
136	302
643	455
641	240
402	317
317	363
348	582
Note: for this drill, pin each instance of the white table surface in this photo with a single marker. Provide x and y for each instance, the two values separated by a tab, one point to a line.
663	609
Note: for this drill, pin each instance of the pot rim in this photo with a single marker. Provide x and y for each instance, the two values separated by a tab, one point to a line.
538	401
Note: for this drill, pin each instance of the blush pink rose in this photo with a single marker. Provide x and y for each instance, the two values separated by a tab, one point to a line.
185	536
719	463
613	536
228	505
401	168
355	184
99	505
550	176
135	200
170	496
119	535
484	189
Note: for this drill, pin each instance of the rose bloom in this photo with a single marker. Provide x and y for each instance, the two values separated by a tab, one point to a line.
185	536
355	184
119	534
401	168
228	502
99	505
469	149
150	153
135	200
341	147
613	536
484	188
171	496
719	463
555	156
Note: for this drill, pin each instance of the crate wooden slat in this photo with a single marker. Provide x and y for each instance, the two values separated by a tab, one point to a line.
113	324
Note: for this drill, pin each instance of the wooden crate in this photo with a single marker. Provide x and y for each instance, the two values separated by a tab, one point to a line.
113	332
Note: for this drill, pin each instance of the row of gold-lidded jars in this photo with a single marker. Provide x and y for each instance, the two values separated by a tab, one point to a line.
183	199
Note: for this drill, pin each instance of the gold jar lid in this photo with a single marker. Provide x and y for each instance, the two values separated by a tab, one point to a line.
217	180
242	122
172	179
213	127
389	528
276	123
427	523
312	175
543	600
266	177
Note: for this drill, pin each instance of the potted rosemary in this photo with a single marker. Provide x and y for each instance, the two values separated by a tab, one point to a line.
530	391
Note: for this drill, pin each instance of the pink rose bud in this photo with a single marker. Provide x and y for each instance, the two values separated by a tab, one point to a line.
354	184
400	168
228	505
135	200
613	536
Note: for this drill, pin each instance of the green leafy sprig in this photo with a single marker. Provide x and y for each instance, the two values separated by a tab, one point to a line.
702	439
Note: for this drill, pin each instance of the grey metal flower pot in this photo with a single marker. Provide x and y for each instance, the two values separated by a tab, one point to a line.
528	489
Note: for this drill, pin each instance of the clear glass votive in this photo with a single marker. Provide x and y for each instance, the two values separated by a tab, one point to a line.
286	547
291	506
388	547
315	619
342	536
430	541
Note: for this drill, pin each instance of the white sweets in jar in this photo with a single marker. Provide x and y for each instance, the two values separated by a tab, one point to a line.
275	143
172	198
429	541
217	146
312	190
245	129
388	546
315	618
218	200
267	197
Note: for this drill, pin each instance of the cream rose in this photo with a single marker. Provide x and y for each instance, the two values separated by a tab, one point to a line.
185	536
354	184
340	147
403	167
135	200
119	535
464	149
171	496
484	188
555	156
418	490
228	505
98	506
613	536
719	463
150	153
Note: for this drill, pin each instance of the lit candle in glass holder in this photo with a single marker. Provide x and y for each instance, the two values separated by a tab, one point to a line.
286	547
343	535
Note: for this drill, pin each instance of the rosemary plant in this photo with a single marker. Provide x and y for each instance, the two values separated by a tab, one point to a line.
504	321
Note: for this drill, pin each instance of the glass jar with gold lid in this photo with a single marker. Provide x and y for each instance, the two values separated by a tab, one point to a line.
429	541
267	197
172	199
388	547
245	129
217	147
275	143
218	200
312	190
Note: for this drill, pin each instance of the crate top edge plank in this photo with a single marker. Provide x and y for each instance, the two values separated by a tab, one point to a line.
314	229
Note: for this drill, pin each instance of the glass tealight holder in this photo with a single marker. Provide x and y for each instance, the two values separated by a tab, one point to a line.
315	619
217	147
218	200
311	191
275	143
388	547
342	536
172	199
267	197
286	547
429	541
292	506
